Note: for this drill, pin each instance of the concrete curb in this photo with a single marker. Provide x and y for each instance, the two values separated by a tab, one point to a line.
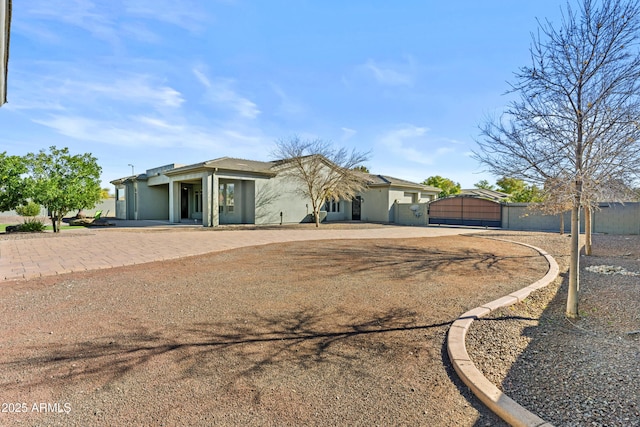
501	404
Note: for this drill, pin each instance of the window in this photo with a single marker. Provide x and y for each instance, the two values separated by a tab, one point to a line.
332	205
226	196
230	197
120	193
198	201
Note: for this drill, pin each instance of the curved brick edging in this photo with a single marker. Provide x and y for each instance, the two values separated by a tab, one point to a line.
501	404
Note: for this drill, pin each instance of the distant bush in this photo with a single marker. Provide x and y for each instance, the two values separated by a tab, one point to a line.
31	209
31	225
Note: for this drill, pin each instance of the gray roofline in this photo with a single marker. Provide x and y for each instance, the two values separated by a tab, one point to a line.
389	181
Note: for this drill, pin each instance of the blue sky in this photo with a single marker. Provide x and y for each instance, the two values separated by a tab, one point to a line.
152	82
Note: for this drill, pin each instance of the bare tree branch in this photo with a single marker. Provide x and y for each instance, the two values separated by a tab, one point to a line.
322	171
575	128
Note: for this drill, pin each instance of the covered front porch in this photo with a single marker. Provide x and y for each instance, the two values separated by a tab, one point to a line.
211	198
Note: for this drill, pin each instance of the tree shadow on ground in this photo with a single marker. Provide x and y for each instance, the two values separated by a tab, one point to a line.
303	338
406	261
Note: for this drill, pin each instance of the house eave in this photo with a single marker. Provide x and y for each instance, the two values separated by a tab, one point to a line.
132	178
214	165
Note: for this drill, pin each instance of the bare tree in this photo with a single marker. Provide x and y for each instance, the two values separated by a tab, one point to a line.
556	199
321	171
578	113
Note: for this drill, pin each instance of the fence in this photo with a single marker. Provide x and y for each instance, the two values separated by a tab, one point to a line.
608	218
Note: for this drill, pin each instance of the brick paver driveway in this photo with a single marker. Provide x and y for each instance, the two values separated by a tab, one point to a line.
81	250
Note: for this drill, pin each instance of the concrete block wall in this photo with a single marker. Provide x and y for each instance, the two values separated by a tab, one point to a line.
518	216
609	218
617	218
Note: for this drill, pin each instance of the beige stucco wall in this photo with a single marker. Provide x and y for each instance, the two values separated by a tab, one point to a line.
280	194
411	213
379	201
153	202
375	205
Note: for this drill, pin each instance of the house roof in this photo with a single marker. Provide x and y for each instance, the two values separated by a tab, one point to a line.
386	180
120	181
241	164
269	168
227	163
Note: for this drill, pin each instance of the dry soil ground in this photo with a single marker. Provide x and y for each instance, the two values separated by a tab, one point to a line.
306	333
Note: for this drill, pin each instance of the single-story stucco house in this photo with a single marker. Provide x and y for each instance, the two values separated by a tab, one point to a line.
238	191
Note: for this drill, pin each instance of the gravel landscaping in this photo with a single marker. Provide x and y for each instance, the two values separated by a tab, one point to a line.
583	372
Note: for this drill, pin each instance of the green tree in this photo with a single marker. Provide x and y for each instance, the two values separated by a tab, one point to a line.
63	182
519	191
361	168
14	189
485	185
447	187
510	185
29	210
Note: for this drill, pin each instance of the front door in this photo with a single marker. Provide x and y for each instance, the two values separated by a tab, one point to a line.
184	203
356	205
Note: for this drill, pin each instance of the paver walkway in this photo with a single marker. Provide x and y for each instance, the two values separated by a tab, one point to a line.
91	249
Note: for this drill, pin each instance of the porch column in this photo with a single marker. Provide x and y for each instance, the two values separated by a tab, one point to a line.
174	201
209	196
215	200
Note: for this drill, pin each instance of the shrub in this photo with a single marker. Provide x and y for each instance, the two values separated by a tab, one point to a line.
31	209
31	225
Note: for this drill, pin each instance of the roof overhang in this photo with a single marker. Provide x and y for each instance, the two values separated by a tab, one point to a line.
207	166
132	178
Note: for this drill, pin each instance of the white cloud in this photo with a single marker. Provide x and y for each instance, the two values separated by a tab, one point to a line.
202	78
407	142
105	20
184	13
223	94
220	92
140	32
347	133
158	123
133	89
287	107
140	131
391	74
85	14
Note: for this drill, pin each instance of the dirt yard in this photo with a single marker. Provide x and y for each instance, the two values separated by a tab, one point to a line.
307	333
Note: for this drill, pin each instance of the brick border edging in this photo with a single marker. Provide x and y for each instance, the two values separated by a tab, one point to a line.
501	404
